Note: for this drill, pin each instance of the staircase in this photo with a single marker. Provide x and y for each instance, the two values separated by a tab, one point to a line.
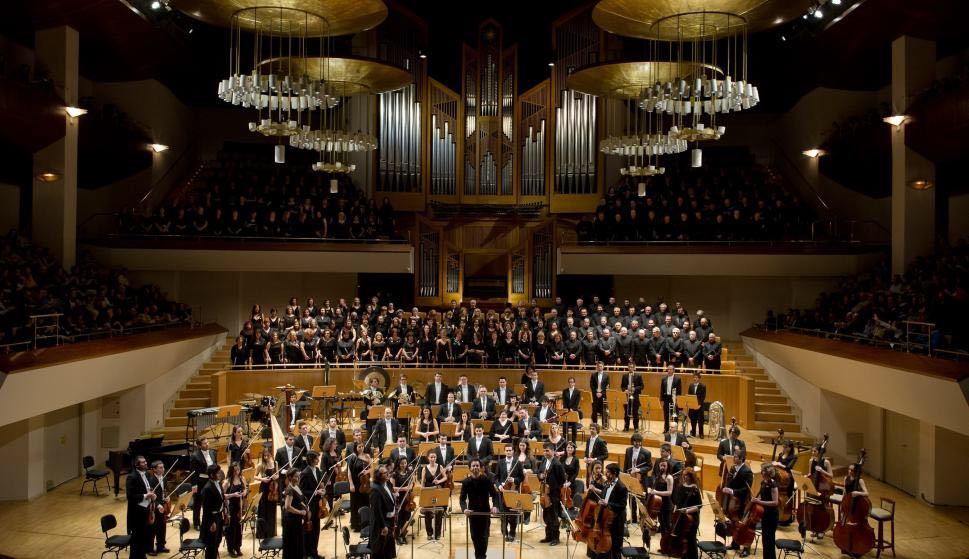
197	393
772	410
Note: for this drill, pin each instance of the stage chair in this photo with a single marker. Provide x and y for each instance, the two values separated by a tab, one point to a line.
188	548
92	475
365	523
712	549
358	551
113	544
882	514
789	548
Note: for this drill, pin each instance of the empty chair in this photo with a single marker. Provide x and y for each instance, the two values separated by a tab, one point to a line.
358	551
188	547
92	475
113	544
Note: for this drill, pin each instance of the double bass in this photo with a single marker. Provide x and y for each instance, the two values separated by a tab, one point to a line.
592	524
852	534
784	480
815	513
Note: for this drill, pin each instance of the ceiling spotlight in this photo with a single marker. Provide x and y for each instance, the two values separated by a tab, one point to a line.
551	64
158	148
814	153
155	5
818	13
804	16
783	38
836	2
75	112
896	120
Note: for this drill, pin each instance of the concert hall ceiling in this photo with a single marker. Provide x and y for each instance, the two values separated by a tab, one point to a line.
126	40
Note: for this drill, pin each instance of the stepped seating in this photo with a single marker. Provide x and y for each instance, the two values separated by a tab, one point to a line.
197	393
772	410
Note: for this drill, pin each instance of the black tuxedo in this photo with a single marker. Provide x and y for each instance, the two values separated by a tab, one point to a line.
667	398
549	414
643	464
484	453
341	438
616	502
488	408
212	503
396	455
302	445
631	406
308	482
517	471
571	403
435	397
449	410
534	393
380	432
599	450
532	425
199	467
156	532
282	460
445	458
668	437
406	389
675	466
726	447
696	416
382	512
598	403
459	395
502	393
740	482
135	489
554	478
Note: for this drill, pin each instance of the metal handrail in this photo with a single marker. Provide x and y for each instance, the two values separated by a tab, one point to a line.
242	239
902	344
95	334
434	365
766	242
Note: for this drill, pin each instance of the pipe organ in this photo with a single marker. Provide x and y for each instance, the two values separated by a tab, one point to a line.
533	108
400	141
443	106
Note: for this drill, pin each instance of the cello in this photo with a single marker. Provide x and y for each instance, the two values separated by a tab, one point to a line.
745	530
592	525
784	480
852	534
815	513
673	543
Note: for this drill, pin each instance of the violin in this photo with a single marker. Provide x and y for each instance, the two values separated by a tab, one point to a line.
365	479
272	490
852	534
567	497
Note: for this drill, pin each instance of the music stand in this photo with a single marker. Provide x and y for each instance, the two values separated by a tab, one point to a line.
677	452
498	448
535	484
484	423
537	447
323	395
613	403
546	429
465	406
386	450
331	521
460	448
519	503
448	428
459	473
649	403
406	412
424	447
434	501
567	419
634	485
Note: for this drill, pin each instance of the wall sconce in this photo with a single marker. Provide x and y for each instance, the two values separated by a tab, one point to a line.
921	184
896	120
158	148
75	112
48	176
814	153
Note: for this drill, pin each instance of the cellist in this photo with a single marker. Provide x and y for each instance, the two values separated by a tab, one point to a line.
662	485
820	470
768	498
786	462
687	500
739	488
615	497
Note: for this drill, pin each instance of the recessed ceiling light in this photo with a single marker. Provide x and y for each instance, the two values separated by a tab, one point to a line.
155	5
818	13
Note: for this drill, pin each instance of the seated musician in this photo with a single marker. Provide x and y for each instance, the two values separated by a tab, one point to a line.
502	430
666	454
401	451
511	474
675	438
546	413
484	407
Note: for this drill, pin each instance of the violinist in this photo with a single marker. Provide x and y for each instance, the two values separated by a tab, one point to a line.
638	462
295	509
200	461
401	451
213	505
730	446
328	465
358	468
266	513
480	447
477	492
502	430
402	480
140	497
235	489
313	491
511	474
382	514
552	475
528	427
237	445
435	476
303	443
571	463
545	413
445	454
665	453
156	532
333	431
687	500
557	440
768	498
632	386
738	487
596	449
662	485
615	497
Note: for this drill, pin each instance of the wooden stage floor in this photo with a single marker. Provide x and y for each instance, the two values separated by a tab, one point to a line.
63	524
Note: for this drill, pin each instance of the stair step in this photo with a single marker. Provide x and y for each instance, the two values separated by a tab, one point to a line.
172	434
193	402
758	384
763	398
772	417
176	421
771	407
775	425
199	386
766	392
196	393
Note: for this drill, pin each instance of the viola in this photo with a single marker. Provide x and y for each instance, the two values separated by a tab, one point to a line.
151	512
852	534
272	491
365	480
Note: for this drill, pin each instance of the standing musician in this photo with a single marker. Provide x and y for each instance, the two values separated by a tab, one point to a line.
237	445
662	485
156	532
825	476
511	474
435	476
615	498
476	492
266	474
552	475
571	464
213	502
534	388
295	510
484	407
741	479
699	390
666	454
200	462
596	449
402	480
480	447
445	454
403	394
333	431
382	515
502	393
546	413
528	427
286	460
687	500
558	441
730	446
329	459
436	392
786	461
313	491
235	488
140	497
303	443
570	403
637	463
373	398
632	386
768	498
598	384
351	447
385	431
671	387
358	467
464	392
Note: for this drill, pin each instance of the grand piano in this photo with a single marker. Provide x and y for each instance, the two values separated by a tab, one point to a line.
175	456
